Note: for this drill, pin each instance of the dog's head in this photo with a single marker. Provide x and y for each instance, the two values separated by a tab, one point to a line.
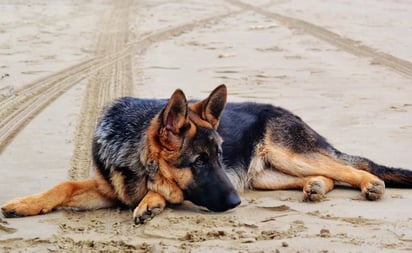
190	152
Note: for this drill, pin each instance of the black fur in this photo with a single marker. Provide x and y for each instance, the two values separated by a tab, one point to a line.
119	137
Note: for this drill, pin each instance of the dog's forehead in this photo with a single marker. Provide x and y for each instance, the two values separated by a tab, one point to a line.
208	135
198	121
202	132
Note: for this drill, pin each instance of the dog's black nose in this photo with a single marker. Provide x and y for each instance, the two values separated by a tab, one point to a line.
233	200
227	201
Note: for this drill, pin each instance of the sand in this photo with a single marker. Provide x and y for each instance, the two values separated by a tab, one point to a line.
345	67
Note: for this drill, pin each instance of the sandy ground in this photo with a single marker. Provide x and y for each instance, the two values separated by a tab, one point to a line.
343	66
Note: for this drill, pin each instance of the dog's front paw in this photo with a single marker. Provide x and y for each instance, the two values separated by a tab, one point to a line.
151	205
374	190
26	206
142	215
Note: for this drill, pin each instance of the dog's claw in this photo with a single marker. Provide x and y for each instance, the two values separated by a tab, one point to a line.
141	219
9	214
146	215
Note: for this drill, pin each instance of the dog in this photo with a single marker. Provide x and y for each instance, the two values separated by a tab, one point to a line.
151	152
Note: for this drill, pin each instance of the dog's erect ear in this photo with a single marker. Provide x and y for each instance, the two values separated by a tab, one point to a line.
211	108
215	104
175	113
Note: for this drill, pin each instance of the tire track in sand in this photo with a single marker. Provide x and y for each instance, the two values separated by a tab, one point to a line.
113	81
105	85
346	44
18	110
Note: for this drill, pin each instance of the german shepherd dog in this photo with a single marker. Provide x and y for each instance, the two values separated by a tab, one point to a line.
150	152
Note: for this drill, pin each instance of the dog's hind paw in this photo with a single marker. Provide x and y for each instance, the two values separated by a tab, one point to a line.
374	191
314	191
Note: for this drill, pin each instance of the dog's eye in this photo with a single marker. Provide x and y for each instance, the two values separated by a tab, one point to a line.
201	159
220	154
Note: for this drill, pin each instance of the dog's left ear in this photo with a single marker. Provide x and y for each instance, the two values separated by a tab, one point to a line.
211	108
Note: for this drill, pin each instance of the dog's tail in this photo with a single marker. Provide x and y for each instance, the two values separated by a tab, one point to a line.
393	177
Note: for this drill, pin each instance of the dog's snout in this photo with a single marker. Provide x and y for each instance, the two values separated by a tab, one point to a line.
227	201
233	200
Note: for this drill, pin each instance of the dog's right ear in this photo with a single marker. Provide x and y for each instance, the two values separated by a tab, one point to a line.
174	115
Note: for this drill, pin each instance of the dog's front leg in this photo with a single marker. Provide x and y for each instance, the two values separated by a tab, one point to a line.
152	204
160	190
87	194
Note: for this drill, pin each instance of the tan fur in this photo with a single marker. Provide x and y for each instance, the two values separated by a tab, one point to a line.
314	164
168	189
315	188
273	168
275	180
153	150
198	121
318	164
92	193
119	187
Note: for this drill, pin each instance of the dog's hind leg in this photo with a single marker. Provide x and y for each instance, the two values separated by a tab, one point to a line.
314	187
88	194
322	164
